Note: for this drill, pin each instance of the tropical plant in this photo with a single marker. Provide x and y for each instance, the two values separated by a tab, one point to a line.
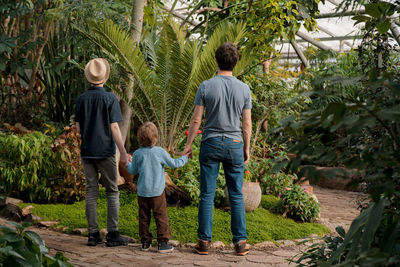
166	73
37	167
25	32
20	247
26	163
295	203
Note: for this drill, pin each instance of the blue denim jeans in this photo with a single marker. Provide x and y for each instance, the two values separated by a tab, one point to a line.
214	151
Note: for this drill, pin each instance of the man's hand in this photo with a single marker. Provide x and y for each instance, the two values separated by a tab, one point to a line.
188	151
246	155
124	159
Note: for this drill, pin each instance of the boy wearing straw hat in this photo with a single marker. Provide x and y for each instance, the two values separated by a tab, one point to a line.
97	113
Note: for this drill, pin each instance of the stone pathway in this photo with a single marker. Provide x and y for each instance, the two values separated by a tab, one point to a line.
338	208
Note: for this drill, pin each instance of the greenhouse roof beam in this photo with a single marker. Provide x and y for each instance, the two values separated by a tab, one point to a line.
339	14
313	41
333	38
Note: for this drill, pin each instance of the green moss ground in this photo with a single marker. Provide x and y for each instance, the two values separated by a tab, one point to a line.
262	225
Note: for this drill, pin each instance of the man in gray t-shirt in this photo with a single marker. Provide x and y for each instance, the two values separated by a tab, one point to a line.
225	101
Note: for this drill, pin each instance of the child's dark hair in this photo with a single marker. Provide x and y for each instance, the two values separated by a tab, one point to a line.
227	56
147	134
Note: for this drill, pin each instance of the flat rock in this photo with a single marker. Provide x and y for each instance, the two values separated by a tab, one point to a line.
27	210
32	218
265	244
189	245
285	253
174	243
7	200
79	231
47	223
286	243
13	212
217	245
264	259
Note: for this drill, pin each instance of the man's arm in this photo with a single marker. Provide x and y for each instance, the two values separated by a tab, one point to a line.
116	133
193	128
246	124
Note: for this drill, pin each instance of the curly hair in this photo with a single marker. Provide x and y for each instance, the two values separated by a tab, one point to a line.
227	56
147	134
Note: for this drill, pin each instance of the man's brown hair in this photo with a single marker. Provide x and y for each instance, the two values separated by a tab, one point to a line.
227	56
147	134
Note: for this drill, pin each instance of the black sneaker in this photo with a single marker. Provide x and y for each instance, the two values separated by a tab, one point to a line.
115	239
146	246
94	239
202	247
164	247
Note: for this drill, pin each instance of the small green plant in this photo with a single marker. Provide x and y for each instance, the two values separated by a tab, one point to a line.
321	251
271	183
26	162
20	247
298	205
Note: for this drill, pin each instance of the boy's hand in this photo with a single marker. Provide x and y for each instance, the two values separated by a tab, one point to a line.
129	158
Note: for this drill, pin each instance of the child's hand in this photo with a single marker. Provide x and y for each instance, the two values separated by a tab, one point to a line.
129	157
188	152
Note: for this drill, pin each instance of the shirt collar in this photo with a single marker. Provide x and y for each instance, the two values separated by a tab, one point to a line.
96	88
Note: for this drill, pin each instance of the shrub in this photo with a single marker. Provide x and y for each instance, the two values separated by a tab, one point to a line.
268	202
31	170
271	183
188	177
26	163
68	156
20	247
298	205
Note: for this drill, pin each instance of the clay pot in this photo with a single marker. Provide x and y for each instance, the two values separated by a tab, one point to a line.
251	195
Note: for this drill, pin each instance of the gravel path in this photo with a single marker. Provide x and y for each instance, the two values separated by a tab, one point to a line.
337	208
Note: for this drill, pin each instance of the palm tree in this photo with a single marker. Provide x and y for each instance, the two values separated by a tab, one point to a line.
164	75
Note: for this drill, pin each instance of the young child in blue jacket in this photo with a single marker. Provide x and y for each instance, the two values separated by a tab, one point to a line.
149	161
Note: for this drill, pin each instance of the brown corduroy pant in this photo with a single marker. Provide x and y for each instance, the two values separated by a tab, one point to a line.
159	207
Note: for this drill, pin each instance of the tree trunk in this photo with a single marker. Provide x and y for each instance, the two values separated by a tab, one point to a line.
135	33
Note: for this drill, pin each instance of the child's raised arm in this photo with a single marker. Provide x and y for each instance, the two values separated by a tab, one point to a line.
171	162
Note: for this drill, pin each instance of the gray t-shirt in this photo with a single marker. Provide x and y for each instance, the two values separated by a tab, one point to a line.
224	98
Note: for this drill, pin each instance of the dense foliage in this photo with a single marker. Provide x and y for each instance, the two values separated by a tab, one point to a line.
368	125
36	167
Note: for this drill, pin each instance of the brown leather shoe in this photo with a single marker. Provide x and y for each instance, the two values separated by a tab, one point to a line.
202	247
242	248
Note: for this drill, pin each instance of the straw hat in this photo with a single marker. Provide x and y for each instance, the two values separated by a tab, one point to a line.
97	71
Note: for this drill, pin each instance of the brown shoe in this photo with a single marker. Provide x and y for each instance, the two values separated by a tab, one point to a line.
202	247
242	248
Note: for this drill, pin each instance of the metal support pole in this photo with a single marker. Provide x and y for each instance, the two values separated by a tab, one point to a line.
300	54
